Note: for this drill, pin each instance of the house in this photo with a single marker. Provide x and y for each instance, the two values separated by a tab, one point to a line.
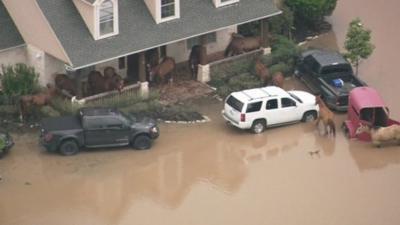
77	36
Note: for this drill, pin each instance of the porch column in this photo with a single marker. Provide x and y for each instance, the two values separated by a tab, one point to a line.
78	83
142	67
144	85
265	33
203	50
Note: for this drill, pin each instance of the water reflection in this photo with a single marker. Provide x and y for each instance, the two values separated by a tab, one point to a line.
367	157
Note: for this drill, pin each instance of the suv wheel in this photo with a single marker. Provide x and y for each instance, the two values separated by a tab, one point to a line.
258	126
69	147
142	142
309	116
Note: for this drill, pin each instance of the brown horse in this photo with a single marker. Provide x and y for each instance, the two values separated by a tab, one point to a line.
262	72
163	72
326	116
240	44
278	79
98	83
63	82
37	100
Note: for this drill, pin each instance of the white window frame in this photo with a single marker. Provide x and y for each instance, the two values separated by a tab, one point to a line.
115	20
176	8
219	3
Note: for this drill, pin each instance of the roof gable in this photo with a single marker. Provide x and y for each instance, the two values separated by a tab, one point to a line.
9	34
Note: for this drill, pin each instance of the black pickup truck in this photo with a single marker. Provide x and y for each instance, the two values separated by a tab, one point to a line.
96	127
328	74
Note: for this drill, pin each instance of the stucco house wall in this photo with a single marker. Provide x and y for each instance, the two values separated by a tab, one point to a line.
13	55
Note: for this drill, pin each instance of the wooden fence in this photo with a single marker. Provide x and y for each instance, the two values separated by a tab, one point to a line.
110	96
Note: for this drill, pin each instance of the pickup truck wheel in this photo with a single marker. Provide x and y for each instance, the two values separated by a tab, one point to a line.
309	116
258	126
69	147
142	142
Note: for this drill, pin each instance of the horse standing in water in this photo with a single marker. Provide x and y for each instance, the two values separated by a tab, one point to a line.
326	116
163	72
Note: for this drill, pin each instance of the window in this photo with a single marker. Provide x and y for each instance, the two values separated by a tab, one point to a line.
121	63
92	123
167	8
234	103
112	122
272	104
254	107
287	102
225	2
106	18
210	38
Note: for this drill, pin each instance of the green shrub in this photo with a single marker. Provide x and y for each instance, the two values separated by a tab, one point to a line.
282	24
285	51
19	79
250	29
311	11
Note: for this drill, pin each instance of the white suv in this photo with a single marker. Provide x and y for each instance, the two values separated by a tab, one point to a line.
269	106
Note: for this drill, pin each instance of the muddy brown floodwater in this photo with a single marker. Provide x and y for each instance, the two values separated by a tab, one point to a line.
214	174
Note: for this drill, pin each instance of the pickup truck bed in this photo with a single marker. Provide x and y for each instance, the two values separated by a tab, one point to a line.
61	123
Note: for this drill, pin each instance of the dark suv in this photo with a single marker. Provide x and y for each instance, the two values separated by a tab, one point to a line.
6	142
94	128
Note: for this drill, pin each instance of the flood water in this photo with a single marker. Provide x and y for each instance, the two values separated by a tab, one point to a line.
214	174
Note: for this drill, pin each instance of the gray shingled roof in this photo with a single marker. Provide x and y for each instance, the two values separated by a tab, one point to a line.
137	29
9	34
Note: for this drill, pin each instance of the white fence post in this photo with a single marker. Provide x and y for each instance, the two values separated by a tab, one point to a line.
144	89
203	73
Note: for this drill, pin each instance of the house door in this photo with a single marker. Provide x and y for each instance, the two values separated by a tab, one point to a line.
133	68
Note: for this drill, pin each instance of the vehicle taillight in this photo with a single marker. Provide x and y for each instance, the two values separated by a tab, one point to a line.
47	137
242	117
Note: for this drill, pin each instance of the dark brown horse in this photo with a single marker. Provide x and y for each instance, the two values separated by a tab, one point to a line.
26	102
262	72
240	44
63	82
163	72
98	83
326	116
197	56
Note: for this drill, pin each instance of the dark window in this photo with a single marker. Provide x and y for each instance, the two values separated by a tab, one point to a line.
254	107
234	103
272	104
311	64
92	123
121	63
210	38
344	68
287	102
112	122
167	8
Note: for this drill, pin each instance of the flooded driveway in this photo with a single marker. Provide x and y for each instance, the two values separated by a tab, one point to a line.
214	174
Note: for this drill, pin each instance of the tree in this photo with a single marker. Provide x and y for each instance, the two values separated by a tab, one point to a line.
312	12
358	43
282	24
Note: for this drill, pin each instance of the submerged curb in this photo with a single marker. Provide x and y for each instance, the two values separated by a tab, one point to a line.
206	119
